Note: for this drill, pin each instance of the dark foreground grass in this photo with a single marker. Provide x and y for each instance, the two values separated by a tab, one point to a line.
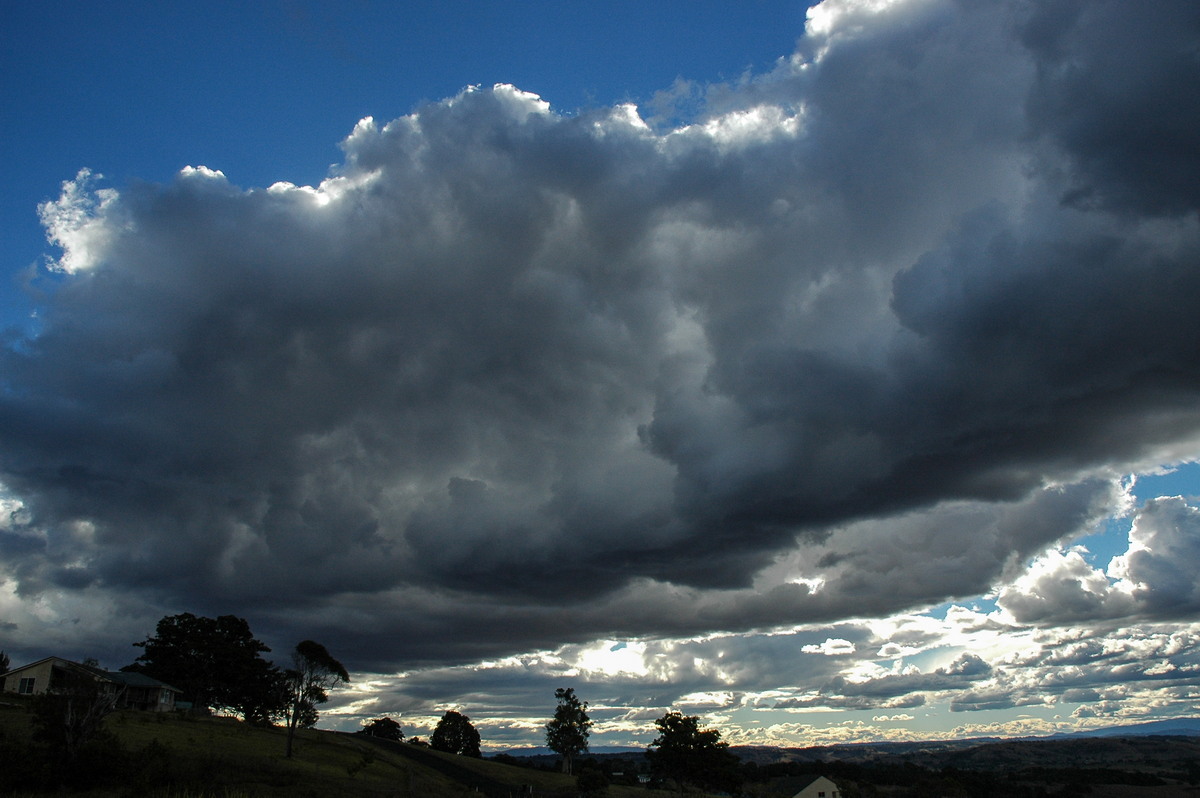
497	778
173	756
162	755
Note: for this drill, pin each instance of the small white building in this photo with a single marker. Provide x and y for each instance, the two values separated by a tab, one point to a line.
819	787
135	690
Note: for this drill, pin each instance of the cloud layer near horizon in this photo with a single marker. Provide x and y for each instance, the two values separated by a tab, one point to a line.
875	329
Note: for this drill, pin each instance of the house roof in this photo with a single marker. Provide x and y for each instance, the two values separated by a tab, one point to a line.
44	660
130	679
809	781
133	679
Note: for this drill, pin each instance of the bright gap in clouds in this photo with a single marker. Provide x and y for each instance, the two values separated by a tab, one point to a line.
1181	480
812	412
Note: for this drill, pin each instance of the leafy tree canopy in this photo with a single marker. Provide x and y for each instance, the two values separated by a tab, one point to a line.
690	755
454	734
567	732
216	662
262	697
385	728
314	673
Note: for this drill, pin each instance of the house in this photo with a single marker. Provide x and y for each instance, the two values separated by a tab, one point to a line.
137	690
819	787
144	692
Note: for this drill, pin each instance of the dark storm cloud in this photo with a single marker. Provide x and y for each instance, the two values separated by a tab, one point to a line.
868	567
511	378
1115	90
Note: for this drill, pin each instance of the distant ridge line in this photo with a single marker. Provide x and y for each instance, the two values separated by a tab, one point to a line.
1176	727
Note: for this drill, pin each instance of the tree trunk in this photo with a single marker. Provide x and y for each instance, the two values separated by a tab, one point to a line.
291	733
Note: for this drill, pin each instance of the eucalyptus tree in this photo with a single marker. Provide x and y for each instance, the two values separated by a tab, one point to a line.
313	674
567	732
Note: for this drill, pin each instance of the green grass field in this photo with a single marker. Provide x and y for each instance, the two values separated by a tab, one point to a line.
172	756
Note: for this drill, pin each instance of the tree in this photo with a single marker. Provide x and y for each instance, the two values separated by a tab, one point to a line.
688	754
384	728
567	733
216	662
454	734
261	697
3	668
313	675
71	714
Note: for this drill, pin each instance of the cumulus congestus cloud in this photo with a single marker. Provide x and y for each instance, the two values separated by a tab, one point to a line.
902	299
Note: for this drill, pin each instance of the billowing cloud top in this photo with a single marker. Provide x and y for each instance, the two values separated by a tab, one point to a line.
511	377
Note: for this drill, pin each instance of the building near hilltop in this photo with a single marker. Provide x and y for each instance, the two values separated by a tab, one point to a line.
819	787
55	674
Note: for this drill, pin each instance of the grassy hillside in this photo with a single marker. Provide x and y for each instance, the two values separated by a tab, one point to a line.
176	757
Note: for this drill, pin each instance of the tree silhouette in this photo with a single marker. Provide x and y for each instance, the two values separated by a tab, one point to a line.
314	673
384	728
690	755
454	734
216	662
567	732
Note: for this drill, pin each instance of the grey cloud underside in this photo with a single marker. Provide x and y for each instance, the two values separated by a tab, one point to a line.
1098	665
1106	668
1153	579
895	691
1131	150
535	359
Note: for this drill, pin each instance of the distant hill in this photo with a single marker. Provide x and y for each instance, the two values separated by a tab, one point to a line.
534	751
926	749
1139	747
1179	727
1155	760
854	752
865	752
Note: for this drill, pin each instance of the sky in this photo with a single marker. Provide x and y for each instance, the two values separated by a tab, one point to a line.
829	373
